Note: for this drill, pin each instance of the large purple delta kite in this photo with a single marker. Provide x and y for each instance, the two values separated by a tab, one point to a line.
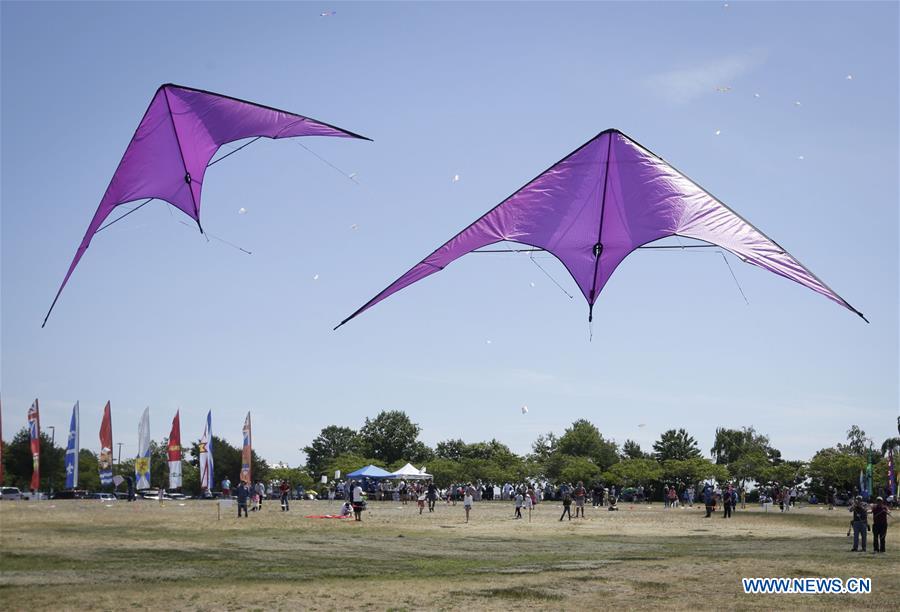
174	143
601	202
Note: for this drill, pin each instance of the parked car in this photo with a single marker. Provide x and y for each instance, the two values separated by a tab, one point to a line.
10	493
104	496
34	495
71	494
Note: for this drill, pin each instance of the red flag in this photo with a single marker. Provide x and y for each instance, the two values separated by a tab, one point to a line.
34	432
106	442
174	453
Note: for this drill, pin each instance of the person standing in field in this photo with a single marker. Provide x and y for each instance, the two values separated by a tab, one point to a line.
468	499
708	499
285	489
673	497
567	506
580	496
431	495
243	494
728	502
260	492
358	502
226	488
860	523
520	499
880	514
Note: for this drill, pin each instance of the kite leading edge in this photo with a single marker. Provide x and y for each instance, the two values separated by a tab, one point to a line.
604	200
171	149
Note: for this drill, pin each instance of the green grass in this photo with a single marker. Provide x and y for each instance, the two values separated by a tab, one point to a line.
67	554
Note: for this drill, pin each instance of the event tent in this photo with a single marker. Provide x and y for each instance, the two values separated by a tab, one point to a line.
410	472
370	471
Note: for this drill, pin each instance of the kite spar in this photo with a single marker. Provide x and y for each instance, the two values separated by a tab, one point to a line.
604	200
172	147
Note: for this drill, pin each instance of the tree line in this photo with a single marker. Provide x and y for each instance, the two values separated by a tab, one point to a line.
580	453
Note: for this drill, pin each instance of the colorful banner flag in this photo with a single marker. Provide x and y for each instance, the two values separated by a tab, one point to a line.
174	453
206	456
72	449
142	461
247	452
105	461
892	475
34	433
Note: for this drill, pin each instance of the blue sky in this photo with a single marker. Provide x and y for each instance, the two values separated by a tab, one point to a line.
156	315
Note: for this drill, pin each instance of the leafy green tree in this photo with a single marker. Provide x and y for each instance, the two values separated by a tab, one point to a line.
331	442
786	472
583	439
693	470
632	450
634	472
88	471
676	445
18	463
891	444
749	466
574	469
835	467
391	436
294	476
544	446
857	442
454	450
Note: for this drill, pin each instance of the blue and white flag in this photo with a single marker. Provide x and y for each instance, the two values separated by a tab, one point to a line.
72	449
142	461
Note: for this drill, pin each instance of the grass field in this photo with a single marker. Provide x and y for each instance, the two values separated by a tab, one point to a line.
90	554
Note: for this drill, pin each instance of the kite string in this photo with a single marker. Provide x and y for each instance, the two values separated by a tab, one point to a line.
743	295
349	177
222	240
534	261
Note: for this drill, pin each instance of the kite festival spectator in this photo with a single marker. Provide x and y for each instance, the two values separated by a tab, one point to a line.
880	514
243	494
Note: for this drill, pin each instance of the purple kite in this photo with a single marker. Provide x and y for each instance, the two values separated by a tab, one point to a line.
601	202
174	143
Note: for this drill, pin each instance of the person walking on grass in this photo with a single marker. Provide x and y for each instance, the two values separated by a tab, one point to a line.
567	506
468	499
673	497
226	488
520	499
880	514
860	523
243	494
285	489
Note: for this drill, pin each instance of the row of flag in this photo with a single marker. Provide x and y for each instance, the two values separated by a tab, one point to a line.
142	460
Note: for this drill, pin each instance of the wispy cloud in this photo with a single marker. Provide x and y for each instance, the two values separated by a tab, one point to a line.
684	85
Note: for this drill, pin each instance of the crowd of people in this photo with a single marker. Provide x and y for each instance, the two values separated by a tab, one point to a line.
526	496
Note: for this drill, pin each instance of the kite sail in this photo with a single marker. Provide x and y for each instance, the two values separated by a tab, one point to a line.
598	204
172	147
105	460
174	453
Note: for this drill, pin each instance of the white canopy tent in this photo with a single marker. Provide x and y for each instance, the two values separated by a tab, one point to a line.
410	472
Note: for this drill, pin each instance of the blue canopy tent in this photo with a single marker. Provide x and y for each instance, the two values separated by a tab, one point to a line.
370	471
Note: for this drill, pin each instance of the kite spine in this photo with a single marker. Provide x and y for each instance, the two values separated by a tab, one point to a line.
598	248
